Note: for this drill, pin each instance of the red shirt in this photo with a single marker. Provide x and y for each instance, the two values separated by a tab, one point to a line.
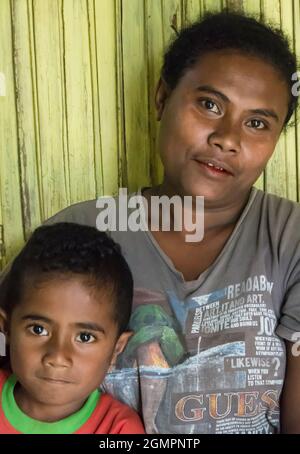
109	417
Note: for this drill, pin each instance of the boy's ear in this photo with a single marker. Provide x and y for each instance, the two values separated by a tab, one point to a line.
3	322
120	345
161	95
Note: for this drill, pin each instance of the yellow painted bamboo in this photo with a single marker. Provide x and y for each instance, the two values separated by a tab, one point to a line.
155	48
50	93
275	174
26	94
79	100
104	60
78	119
212	5
296	15
191	11
289	145
135	94
11	208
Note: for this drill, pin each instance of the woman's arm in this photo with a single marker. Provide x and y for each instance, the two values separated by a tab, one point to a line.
290	400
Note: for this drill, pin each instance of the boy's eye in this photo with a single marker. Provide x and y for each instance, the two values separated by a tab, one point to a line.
257	124
85	338
38	330
208	104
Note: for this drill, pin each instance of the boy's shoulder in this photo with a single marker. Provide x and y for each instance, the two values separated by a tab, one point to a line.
4	375
118	418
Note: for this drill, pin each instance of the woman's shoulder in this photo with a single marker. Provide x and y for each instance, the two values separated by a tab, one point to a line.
87	212
80	213
276	205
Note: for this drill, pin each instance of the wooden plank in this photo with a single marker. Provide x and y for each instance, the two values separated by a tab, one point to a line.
93	47
26	94
11	208
276	171
290	146
171	20
252	7
296	15
191	11
50	92
211	5
104	59
135	94
234	5
79	101
155	50
122	167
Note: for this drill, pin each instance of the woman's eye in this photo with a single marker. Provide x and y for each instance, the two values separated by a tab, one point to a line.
85	338
38	330
257	124
210	105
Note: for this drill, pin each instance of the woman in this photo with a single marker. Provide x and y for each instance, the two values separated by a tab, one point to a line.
212	317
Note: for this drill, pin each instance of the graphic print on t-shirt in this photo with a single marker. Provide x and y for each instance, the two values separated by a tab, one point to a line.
211	363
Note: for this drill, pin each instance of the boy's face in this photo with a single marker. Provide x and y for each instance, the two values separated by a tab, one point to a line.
230	109
62	339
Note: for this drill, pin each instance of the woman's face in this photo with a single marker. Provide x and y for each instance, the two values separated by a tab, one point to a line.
226	112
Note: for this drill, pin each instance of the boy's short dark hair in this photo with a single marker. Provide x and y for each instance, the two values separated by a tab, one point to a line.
66	249
230	30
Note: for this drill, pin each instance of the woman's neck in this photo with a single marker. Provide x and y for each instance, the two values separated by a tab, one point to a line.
217	216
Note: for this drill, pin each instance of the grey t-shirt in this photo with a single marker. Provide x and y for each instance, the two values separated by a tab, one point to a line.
208	356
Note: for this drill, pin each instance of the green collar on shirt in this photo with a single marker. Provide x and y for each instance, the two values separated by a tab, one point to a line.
24	424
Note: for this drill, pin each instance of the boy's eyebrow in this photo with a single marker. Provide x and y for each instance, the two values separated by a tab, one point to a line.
90	326
81	325
264	112
36	317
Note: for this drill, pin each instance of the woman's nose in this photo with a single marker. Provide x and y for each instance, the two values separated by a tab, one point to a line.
226	136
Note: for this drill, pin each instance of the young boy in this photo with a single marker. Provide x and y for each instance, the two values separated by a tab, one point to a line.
65	306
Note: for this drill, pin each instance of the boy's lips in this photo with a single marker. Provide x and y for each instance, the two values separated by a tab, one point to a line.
57	380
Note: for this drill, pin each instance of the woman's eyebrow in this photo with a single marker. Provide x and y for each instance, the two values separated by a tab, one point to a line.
265	112
212	90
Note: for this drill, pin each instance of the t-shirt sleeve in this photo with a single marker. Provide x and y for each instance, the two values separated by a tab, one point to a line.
84	213
289	321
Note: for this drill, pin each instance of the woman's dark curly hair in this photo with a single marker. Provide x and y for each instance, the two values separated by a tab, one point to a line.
230	30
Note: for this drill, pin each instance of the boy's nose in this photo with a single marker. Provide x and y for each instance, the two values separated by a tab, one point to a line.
58	353
226	136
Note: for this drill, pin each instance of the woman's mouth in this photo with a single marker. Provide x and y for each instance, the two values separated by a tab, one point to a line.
213	169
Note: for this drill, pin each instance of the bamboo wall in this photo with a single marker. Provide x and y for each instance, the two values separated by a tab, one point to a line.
77	80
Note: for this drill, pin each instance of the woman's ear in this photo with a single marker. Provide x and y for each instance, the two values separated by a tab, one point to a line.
161	95
120	345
